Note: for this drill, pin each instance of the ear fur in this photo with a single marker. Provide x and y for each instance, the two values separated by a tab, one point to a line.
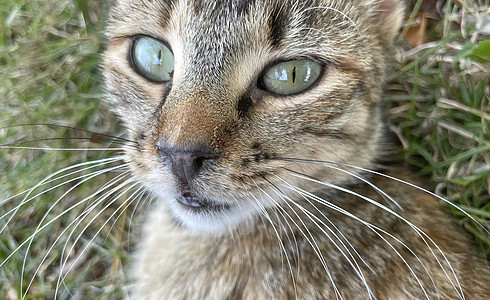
389	16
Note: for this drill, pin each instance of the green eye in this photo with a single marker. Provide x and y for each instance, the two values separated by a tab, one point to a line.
291	77
153	59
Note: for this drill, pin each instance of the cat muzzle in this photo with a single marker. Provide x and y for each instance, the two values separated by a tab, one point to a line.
186	164
193	202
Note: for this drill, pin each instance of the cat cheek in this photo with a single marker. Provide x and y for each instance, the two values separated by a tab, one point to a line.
151	171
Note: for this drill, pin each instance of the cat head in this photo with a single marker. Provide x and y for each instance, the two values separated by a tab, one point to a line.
220	97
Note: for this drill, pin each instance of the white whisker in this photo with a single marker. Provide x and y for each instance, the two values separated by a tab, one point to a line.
135	210
43	227
62	149
352	260
25	201
76	220
338	12
327	163
37	230
48	180
109	190
281	244
283	228
97	163
311	241
374	228
419	232
123	206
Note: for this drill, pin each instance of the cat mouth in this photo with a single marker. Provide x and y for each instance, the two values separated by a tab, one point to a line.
193	202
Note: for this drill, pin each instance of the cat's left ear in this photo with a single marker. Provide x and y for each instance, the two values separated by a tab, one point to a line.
389	16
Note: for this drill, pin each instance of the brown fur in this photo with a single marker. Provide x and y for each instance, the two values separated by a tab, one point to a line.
249	264
265	245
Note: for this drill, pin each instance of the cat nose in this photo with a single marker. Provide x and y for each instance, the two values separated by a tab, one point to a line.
186	164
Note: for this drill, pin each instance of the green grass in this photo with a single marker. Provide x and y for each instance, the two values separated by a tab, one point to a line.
49	57
438	104
439	108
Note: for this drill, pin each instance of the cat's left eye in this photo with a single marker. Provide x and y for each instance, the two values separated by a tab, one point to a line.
290	77
153	59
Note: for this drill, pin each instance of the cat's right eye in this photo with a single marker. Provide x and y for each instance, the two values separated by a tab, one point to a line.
153	59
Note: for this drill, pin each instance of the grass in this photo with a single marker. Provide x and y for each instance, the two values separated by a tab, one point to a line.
49	54
439	109
438	104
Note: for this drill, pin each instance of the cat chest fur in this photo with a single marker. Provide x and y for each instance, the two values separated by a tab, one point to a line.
245	264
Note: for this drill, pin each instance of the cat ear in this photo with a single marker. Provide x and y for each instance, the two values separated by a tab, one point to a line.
389	16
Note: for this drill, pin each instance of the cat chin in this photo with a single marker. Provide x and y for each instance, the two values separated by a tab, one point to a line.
215	221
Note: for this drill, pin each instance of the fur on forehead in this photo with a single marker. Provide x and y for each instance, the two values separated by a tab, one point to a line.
383	16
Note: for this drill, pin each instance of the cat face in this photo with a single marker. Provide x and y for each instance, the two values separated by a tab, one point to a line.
219	95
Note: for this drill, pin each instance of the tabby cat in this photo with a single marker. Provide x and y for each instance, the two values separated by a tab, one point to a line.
258	126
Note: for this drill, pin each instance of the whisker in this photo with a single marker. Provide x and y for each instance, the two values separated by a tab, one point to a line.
419	232
332	206
135	211
296	246
352	260
123	205
109	190
48	223
78	139
97	163
108	185
95	174
40	183
280	215
140	195
312	242
80	219
389	177
71	128
338	12
374	228
378	190
85	212
285	230
61	149
281	244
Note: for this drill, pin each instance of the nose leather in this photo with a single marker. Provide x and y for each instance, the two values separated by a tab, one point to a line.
186	165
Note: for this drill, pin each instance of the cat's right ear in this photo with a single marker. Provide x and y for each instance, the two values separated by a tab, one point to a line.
388	15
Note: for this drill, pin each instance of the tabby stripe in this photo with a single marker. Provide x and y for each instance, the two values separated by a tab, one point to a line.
166	10
277	25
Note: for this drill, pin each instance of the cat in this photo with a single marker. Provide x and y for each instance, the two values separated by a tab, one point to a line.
258	126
